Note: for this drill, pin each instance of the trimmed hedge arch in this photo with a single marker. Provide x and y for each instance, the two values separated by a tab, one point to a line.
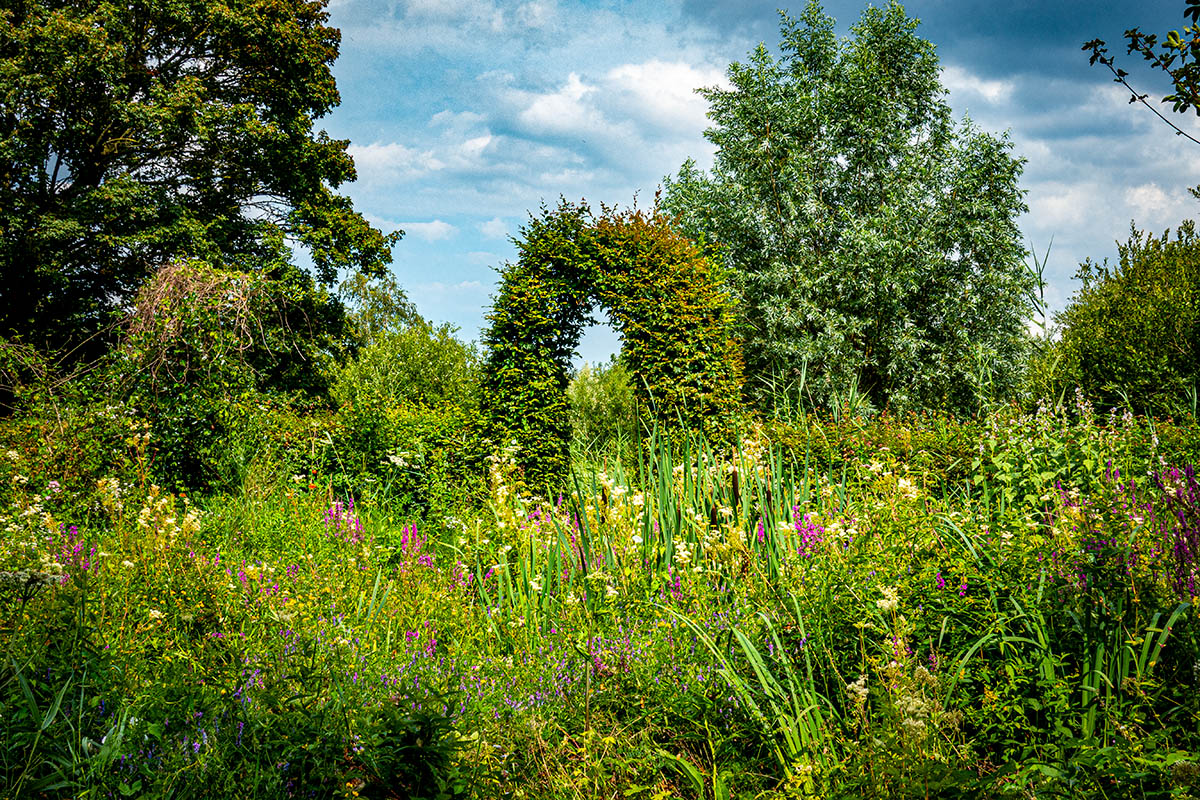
661	293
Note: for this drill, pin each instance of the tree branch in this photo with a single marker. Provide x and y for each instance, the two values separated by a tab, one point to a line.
1120	76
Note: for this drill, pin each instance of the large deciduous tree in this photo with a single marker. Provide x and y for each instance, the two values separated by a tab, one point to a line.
872	240
133	134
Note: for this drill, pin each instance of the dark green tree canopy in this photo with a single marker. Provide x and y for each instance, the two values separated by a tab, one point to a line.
872	241
135	133
662	294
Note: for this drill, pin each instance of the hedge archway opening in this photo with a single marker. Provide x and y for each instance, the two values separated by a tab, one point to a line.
663	296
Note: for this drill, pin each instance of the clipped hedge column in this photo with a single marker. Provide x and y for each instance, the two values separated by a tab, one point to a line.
662	294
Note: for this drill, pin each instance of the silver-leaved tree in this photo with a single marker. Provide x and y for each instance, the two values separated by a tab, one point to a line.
872	240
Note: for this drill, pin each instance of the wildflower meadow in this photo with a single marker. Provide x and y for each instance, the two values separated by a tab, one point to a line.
848	607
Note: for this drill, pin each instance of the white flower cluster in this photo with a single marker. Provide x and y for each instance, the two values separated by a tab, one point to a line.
858	690
24	579
890	600
501	467
159	515
915	711
841	530
112	494
683	554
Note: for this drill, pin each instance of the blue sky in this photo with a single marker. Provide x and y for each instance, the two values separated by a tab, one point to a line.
464	115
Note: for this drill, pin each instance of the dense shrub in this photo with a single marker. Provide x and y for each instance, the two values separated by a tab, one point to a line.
203	348
417	364
406	420
602	405
1131	337
208	363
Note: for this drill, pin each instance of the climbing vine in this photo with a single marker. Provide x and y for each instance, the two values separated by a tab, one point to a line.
662	294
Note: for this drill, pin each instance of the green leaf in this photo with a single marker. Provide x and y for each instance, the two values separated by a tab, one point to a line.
52	711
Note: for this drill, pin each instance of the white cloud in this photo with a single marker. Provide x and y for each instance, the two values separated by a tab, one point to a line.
385	225
390	163
636	119
392	160
563	111
1035	150
473	148
438	288
649	100
473	12
435	231
568	177
1147	200
663	93
961	82
494	228
537	13
456	120
1059	206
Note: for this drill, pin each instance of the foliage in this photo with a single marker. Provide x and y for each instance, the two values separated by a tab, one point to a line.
824	604
134	134
912	639
1044	379
1131	337
1178	56
204	350
602	405
376	305
1180	526
152	664
872	242
661	293
407	417
211	370
419	364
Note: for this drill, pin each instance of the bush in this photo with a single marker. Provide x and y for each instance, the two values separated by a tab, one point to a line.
407	408
183	367
208	362
417	364
1131	337
602	405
